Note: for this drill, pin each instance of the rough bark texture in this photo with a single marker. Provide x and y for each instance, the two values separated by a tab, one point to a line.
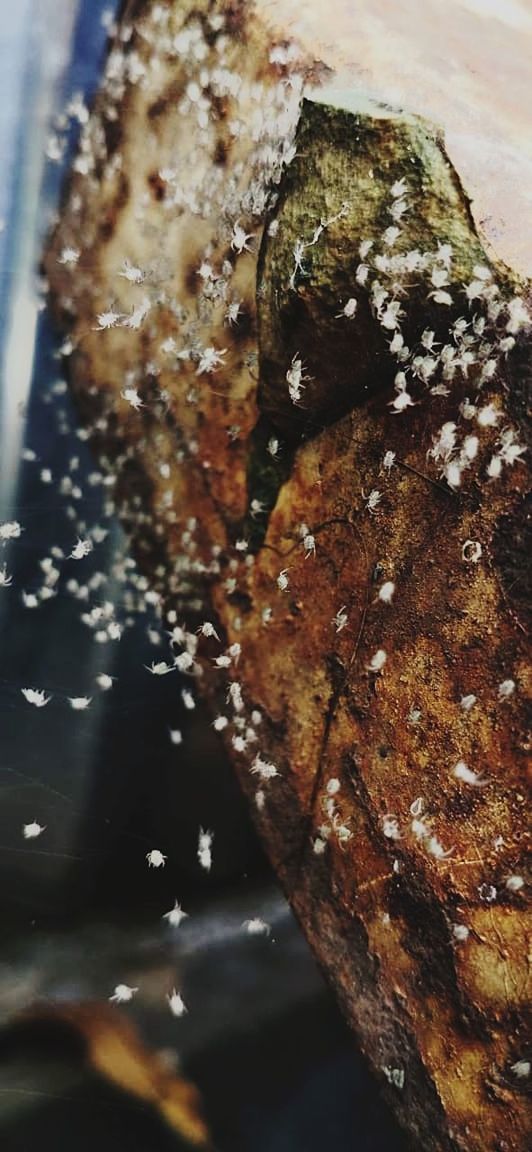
394	815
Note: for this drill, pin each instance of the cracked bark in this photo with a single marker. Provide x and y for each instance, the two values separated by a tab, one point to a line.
441	1019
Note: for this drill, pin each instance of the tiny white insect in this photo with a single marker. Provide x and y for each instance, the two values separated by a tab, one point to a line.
373	500
333	786
341	618
155	858
506	689
436	849
10	530
488	416
81	548
131	272
378	660
402	400
514	883
309	544
521	1069
386	592
239	239
207	629
282	580
388	460
159	668
32	830
79	703
135	319
176	1003
296	378
68	255
176	915
468	702
462	772
36	696
390	828
131	394
107	320
460	931
205	840
232	312
219	723
176	736
122	994
273	447
348	310
104	681
395	1076
263	768
210	360
257	927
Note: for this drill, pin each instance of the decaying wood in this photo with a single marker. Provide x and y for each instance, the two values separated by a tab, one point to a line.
360	534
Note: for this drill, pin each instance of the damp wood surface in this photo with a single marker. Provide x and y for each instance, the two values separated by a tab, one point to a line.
313	397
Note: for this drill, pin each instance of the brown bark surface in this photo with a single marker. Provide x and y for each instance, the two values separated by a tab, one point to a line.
275	480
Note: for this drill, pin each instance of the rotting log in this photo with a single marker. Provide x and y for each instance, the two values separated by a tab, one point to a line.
311	383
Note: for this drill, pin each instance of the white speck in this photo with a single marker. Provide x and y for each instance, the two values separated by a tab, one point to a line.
341	618
32	830
468	702
155	858
333	786
5	579
349	309
131	273
373	500
506	689
175	916
514	883
176	736
107	320
122	994
81	549
386	593
462	772
395	1076
521	1069
263	768
176	1003
205	840
159	668
390	828
460	931
35	696
68	255
488	416
257	927
282	580
378	660
132	396
104	681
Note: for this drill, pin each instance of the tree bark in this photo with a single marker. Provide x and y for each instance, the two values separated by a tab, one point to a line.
353	516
